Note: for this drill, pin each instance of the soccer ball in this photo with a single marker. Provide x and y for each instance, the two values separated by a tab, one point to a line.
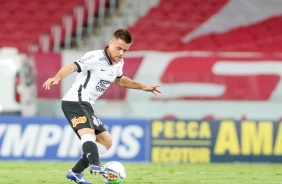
118	168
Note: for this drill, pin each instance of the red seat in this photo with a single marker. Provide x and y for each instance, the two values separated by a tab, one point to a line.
32	18
167	23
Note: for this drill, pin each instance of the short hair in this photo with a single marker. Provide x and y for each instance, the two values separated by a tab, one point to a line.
124	35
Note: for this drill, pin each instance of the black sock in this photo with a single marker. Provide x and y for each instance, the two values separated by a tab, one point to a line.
90	150
82	164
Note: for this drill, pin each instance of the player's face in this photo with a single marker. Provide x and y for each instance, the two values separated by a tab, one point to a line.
117	49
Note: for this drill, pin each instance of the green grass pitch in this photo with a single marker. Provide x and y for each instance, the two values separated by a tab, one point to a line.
54	173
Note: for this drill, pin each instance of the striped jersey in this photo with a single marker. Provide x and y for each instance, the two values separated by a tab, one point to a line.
95	74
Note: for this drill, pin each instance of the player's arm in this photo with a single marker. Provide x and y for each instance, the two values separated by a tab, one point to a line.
128	83
62	73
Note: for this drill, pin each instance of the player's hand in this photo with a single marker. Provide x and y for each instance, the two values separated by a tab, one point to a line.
153	89
51	81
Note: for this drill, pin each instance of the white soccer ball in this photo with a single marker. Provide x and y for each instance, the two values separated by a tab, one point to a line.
119	169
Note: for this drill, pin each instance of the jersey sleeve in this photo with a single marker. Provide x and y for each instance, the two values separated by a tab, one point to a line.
86	62
120	72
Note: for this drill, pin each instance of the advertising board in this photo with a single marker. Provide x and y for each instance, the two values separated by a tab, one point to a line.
43	138
178	141
134	140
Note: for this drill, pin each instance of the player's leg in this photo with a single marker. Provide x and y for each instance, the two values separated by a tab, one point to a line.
90	157
81	121
88	144
103	141
90	150
81	164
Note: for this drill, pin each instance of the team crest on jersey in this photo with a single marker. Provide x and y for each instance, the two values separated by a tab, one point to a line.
96	121
75	121
102	85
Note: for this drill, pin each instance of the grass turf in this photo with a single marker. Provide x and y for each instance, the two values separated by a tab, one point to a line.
54	173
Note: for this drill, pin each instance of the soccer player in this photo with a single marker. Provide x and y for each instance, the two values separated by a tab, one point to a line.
97	69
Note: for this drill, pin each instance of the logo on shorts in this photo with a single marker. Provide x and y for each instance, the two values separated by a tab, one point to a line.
96	121
75	121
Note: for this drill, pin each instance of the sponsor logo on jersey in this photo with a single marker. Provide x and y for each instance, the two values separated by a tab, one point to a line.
75	121
82	60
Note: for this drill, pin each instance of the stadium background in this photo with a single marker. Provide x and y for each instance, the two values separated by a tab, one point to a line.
218	63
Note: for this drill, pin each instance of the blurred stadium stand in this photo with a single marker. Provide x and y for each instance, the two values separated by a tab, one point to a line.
41	25
245	26
209	25
173	19
44	26
169	25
